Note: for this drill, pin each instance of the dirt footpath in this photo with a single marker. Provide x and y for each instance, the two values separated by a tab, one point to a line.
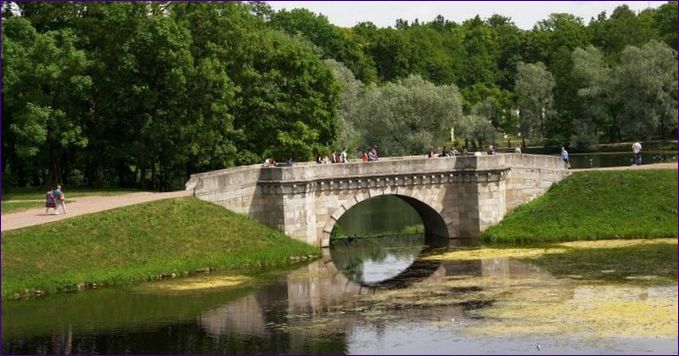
624	168
82	206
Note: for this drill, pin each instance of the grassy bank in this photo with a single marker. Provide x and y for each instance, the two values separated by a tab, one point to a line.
140	243
594	206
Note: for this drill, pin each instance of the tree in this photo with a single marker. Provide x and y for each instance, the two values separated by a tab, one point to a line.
481	50
594	78
46	97
665	22
493	99
407	117
509	39
622	29
533	88
332	41
278	81
352	92
391	52
645	90
477	127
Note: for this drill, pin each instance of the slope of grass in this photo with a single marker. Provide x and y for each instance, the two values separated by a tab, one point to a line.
596	205
139	243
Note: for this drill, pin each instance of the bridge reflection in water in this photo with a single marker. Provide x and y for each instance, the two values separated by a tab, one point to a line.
321	287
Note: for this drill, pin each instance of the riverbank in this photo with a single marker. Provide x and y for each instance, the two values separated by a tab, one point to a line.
594	206
156	240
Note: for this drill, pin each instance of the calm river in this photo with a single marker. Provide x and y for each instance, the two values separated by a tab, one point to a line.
386	295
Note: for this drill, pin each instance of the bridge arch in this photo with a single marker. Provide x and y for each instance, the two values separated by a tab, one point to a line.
434	223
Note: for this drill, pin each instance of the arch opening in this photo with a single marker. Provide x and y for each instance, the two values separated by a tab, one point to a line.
379	242
405	215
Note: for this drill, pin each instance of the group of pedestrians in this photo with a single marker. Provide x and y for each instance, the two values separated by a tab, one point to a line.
368	155
445	152
55	198
333	158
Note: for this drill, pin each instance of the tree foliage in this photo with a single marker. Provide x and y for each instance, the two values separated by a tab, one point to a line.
406	117
146	93
645	90
534	85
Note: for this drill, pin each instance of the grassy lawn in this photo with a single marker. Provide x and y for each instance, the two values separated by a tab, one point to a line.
17	206
594	206
138	243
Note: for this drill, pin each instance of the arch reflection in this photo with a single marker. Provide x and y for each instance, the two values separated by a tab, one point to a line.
393	261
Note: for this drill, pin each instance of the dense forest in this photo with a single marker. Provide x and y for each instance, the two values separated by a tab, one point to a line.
144	94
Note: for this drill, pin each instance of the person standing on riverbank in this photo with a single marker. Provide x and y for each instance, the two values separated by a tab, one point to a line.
636	149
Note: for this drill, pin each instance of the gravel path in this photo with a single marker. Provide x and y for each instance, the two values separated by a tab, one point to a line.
93	204
625	168
82	206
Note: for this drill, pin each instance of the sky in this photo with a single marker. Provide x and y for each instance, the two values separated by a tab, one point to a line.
524	13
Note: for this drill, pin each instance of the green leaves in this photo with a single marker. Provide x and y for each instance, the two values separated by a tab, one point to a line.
533	88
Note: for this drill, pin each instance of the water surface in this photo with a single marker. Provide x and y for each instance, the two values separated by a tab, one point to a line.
459	300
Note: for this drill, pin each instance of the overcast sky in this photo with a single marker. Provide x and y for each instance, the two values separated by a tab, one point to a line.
524	13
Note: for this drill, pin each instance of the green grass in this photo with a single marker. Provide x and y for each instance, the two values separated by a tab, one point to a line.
17	206
38	193
138	243
623	264
596	205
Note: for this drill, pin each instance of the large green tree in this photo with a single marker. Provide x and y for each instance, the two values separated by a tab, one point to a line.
594	79
46	97
644	91
407	117
534	85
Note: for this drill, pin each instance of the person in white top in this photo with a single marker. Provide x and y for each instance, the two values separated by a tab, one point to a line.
517	149
636	149
343	156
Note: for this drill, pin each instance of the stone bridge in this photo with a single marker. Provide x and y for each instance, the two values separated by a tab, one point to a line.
455	196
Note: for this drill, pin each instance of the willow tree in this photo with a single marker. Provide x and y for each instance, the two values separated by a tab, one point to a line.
534	85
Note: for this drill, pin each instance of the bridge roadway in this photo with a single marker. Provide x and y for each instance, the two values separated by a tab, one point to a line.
455	196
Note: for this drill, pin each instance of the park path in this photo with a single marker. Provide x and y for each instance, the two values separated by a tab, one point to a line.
93	204
625	168
84	205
